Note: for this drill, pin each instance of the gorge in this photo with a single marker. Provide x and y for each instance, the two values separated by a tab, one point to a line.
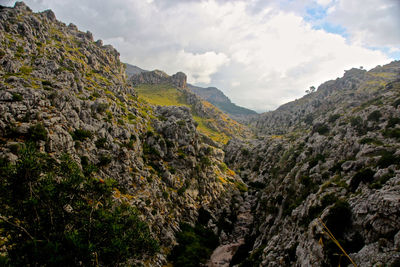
98	169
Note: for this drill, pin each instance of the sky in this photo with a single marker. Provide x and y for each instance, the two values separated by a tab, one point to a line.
260	53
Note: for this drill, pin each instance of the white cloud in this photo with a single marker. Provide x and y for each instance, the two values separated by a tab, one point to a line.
260	59
369	22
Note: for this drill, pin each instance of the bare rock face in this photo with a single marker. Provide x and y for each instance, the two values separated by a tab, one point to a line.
342	167
158	77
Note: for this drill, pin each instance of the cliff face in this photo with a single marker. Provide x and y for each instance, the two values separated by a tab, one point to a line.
342	168
69	95
158	77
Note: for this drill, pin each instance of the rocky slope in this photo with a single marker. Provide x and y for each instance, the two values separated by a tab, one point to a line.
342	167
156	87
221	101
355	87
68	94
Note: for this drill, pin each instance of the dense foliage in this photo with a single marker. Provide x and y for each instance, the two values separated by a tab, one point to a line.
195	246
51	213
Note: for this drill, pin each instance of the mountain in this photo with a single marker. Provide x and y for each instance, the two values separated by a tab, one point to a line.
131	70
329	160
98	169
221	101
88	172
158	88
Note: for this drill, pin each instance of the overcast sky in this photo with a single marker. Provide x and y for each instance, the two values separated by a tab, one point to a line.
260	53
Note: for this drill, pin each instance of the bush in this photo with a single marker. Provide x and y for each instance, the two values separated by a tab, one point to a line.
101	108
320	128
333	118
205	161
356	121
309	119
81	135
368	140
104	160
374	116
54	215
101	142
17	97
392	122
195	246
365	175
37	132
392	133
387	158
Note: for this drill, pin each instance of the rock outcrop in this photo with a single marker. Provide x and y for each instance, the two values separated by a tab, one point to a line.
158	77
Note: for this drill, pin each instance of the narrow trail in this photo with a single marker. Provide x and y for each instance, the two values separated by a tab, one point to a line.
222	255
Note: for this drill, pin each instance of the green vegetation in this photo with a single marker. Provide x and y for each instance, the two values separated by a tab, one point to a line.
365	176
206	130
101	142
161	94
81	135
37	132
374	115
195	246
333	118
391	133
52	214
167	95
320	128
369	140
25	70
387	158
17	97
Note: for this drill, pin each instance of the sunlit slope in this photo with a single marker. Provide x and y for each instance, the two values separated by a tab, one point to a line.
212	122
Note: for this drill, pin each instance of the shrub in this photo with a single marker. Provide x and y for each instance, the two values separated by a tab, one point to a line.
101	107
17	97
314	161
81	135
85	225
382	180
101	142
309	119
205	161
46	83
104	160
37	132
333	118
387	158
320	128
356	121
365	175
392	122
368	140
374	115
195	245
392	133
